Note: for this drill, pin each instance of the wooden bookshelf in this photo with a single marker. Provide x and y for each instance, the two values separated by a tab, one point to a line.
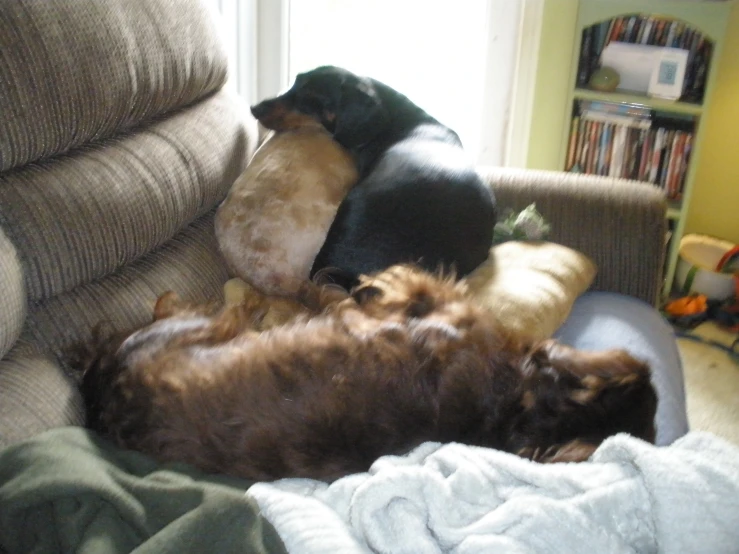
707	18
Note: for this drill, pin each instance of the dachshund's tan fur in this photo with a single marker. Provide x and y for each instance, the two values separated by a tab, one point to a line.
277	213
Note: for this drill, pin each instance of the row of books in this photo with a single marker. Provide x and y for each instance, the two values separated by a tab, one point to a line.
649	30
649	149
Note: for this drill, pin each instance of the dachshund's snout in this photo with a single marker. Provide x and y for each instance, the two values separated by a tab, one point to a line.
271	113
264	110
279	114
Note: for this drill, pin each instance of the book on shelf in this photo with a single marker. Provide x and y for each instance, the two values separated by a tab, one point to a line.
607	139
628	121
621	108
649	30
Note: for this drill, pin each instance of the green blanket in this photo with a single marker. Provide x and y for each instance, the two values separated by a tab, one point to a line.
69	491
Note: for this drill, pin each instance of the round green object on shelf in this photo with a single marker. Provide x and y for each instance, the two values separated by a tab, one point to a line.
605	79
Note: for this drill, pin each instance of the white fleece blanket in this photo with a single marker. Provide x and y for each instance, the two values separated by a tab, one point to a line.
630	497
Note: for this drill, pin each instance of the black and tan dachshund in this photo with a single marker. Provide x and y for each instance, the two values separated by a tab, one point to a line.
418	198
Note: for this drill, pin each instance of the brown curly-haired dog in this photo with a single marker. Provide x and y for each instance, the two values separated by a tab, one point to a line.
406	359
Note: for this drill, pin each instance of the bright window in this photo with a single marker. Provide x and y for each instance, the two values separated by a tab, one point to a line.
432	51
456	59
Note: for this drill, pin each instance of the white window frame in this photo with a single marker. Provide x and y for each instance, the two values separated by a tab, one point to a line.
524	83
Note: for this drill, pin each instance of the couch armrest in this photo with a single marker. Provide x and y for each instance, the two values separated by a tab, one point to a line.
619	223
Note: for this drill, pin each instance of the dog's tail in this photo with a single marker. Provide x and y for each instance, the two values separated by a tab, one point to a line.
96	365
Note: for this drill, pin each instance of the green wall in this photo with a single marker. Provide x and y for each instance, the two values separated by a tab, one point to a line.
558	39
714	209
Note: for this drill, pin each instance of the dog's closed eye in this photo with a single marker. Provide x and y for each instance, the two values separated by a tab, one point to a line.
362	295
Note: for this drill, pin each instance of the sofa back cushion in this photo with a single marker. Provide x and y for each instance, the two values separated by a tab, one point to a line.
79	217
13	297
78	70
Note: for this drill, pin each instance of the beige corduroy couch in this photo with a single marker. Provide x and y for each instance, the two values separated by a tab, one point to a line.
118	140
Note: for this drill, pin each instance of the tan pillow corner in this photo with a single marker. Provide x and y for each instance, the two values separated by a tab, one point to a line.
530	286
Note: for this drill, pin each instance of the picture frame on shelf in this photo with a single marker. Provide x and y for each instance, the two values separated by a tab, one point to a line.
633	62
668	74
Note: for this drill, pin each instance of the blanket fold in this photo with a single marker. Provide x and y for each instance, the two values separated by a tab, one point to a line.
631	497
70	491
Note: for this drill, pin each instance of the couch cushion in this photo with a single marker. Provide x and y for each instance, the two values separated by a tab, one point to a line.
12	297
189	264
77	70
35	395
529	287
78	217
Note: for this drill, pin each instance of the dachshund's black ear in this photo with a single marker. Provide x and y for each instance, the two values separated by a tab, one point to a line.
360	115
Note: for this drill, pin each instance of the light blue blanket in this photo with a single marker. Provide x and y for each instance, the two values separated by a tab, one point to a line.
631	497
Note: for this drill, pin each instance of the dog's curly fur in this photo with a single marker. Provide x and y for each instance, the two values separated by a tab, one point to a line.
406	359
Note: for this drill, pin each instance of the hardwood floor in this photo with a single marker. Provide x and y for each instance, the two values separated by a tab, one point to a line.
712	382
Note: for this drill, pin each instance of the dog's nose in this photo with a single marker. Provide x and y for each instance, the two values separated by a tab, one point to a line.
260	110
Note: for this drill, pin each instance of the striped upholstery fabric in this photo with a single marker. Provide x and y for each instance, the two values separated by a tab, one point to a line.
117	141
78	217
620	224
189	264
76	70
35	395
37	392
12	295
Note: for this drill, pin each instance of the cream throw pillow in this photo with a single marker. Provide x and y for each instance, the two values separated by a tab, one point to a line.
530	286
